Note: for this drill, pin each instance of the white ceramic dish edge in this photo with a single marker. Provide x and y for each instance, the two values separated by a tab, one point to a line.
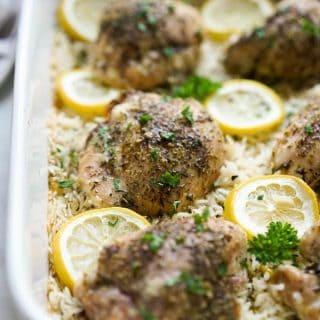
27	248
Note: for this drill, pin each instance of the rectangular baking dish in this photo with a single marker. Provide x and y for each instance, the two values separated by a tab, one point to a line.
27	244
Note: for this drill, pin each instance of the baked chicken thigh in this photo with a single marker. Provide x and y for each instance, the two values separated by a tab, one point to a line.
297	149
171	271
153	155
285	49
143	44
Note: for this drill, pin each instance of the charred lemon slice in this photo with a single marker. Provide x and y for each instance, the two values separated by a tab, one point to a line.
77	245
259	201
81	92
246	107
222	18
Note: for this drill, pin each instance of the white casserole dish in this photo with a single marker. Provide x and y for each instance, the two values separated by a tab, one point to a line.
27	248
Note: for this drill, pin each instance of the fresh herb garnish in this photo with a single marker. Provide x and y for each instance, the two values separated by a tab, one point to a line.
117	185
308	128
147	315
102	135
142	27
193	284
222	269
144	118
73	157
154	155
112	224
65	184
175	205
154	240
168	51
260	33
310	27
170	179
170	136
260	197
200	219
197	87
279	244
188	115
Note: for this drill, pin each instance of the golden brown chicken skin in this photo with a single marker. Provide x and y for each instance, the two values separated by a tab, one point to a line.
297	150
143	44
188	274
300	290
285	49
150	157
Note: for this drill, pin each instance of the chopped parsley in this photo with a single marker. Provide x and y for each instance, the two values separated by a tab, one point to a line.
117	185
154	155
197	87
222	269
193	284
170	136
260	197
147	315
187	114
170	179
200	219
144	118
260	33
171	8
155	241
308	128
65	184
175	205
102	136
279	244
168	51
73	157
142	27
113	223
310	27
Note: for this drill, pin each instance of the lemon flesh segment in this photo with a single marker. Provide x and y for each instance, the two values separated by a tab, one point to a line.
81	18
246	107
222	18
81	92
258	202
77	245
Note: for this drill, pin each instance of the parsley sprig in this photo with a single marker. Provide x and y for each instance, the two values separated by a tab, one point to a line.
280	243
197	87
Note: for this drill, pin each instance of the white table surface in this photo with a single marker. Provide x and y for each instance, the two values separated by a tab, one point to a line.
6	308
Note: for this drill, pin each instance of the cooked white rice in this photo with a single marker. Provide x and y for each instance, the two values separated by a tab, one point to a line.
245	158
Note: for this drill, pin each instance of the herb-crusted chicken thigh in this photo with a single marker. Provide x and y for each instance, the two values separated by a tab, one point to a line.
172	271
153	155
297	149
286	48
143	44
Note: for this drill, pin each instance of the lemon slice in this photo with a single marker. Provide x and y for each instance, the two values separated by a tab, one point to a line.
81	18
77	245
246	107
81	92
259	201
222	18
